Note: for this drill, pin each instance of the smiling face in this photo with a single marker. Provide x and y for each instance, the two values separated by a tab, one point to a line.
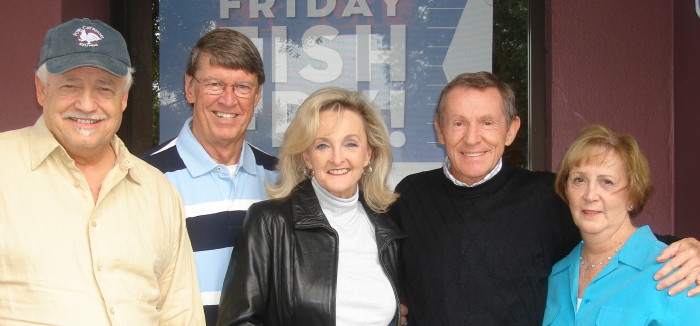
83	108
598	194
339	152
474	132
220	120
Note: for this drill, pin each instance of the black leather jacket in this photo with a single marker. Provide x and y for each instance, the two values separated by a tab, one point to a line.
284	268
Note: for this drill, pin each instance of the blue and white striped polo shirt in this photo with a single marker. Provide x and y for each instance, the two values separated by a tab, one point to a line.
215	205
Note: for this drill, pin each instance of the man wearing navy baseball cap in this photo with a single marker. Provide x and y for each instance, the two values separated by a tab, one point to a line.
91	235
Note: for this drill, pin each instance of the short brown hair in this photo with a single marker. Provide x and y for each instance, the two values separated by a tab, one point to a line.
480	80
229	49
599	138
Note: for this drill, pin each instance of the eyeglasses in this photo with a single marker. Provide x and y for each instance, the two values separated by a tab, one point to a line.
215	87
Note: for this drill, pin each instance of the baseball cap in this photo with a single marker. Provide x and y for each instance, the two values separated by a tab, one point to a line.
84	42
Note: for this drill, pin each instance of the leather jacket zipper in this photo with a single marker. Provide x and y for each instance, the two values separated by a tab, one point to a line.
391	281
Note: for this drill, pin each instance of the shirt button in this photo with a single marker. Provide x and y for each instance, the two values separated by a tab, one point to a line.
99	268
76	183
218	169
111	310
94	224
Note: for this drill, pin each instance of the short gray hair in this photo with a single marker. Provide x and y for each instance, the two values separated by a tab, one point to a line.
43	75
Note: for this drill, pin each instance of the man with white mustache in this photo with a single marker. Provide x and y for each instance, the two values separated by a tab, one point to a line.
219	174
89	233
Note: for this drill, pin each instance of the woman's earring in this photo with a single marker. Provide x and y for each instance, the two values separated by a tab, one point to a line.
309	173
367	170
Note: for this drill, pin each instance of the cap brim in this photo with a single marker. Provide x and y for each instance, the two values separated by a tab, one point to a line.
62	64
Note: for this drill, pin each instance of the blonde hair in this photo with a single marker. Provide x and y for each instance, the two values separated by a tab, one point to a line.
302	131
599	139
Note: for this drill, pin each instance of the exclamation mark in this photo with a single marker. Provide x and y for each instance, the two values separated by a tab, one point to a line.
397	99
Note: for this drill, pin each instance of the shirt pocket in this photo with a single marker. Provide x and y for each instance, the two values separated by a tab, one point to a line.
550	315
610	316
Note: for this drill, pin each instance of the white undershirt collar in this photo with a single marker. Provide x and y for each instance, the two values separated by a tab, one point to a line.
446	170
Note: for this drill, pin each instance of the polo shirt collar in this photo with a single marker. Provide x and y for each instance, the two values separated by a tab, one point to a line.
198	161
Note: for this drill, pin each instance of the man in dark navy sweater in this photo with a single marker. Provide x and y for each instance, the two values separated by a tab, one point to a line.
484	235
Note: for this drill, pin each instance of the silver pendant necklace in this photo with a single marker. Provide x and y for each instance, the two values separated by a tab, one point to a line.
601	263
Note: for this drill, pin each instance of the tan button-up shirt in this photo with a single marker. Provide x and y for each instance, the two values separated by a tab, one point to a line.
66	260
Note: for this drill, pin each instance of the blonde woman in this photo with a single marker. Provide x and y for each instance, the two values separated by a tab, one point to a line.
321	251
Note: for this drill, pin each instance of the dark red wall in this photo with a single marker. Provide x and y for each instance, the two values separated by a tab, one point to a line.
686	96
23	24
618	63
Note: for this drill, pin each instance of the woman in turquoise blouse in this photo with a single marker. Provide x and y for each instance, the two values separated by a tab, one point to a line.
608	279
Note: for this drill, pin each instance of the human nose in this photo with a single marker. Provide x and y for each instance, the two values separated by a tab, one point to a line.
86	100
471	135
590	192
228	96
336	157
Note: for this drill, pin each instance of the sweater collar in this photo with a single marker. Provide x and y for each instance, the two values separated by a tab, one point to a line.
334	206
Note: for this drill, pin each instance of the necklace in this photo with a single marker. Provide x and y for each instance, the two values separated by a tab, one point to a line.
601	263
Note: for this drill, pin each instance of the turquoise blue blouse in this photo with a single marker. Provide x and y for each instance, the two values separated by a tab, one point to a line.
623	293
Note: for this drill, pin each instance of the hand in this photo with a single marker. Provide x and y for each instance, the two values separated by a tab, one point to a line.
685	256
403	312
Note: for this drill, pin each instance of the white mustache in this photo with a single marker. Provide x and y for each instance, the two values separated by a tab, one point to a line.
76	115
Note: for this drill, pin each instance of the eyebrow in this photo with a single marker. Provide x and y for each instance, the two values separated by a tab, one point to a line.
99	81
609	176
463	117
324	138
69	78
110	82
212	79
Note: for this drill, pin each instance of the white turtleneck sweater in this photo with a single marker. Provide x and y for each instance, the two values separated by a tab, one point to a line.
364	296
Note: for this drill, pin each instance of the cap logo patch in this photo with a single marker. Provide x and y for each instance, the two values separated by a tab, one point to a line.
88	36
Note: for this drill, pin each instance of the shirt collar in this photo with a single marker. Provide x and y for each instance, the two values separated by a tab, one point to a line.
446	170
636	250
42	144
198	161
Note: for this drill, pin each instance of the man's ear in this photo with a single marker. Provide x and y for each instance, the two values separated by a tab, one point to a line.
258	95
40	90
438	130
189	92
125	100
512	130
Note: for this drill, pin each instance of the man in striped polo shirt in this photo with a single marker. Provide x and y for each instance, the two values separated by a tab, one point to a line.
216	171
